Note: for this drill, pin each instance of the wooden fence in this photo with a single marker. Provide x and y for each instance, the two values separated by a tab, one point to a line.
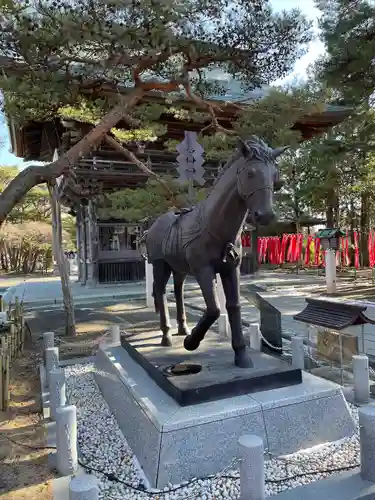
12	340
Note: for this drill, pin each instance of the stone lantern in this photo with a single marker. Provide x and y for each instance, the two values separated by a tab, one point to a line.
330	241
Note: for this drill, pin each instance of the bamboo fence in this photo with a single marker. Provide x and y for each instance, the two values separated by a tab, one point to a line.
12	341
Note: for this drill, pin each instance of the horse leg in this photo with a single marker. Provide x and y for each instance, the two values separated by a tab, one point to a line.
162	273
231	284
179	281
206	281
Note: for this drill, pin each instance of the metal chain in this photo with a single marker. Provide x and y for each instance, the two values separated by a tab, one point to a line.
277	348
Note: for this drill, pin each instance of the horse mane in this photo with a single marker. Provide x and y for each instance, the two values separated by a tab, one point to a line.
256	146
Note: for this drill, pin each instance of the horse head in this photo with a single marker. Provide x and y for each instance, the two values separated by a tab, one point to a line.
258	178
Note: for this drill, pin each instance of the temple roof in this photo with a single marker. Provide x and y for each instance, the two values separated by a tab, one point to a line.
106	170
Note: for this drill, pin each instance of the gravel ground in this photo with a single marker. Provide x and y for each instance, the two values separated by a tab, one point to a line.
103	447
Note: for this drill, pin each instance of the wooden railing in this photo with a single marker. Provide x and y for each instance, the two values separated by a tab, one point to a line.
12	341
122	271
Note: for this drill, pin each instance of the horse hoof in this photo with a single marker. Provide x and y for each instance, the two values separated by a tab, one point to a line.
183	331
242	359
166	341
190	343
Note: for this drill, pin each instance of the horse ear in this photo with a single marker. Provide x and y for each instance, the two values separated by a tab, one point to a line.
243	147
279	151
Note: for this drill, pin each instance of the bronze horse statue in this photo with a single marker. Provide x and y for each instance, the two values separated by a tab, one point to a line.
206	241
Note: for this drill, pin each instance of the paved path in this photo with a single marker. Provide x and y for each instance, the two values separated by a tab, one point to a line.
286	291
48	290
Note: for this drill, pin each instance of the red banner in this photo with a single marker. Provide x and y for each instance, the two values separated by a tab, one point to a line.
308	250
316	252
293	248
356	249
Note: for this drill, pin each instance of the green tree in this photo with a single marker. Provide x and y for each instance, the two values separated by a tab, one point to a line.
56	53
134	205
34	206
348	31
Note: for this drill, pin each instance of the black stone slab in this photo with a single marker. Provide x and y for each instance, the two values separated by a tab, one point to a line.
219	377
270	319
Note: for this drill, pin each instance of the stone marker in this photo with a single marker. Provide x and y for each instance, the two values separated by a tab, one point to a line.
367	442
252	481
84	487
298	352
115	338
57	394
52	361
361	379
66	440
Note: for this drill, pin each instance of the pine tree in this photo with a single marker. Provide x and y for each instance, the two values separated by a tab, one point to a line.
55	54
348	31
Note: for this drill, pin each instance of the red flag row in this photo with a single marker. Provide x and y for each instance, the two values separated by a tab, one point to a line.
299	248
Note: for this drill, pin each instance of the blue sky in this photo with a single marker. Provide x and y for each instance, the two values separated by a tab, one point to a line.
316	48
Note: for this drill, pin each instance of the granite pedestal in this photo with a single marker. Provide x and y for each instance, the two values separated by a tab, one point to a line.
216	375
174	443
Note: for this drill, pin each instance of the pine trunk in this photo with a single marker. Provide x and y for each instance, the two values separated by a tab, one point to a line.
70	324
34	175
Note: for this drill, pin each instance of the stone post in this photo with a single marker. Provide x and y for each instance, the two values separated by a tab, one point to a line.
66	440
252	481
255	337
149	284
84	487
330	267
298	353
48	341
367	442
361	379
115	337
57	394
223	323
52	361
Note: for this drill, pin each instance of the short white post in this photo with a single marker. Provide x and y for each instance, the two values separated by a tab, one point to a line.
57	390
66	440
367	442
298	353
115	338
84	487
223	323
48	341
149	284
255	336
361	379
52	361
252	481
330	266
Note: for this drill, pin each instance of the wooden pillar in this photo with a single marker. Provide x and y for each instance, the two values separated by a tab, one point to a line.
80	244
92	244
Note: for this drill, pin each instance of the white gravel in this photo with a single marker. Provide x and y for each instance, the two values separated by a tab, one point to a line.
103	446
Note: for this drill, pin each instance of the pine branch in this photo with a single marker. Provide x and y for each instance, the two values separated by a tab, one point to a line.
210	107
131	156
